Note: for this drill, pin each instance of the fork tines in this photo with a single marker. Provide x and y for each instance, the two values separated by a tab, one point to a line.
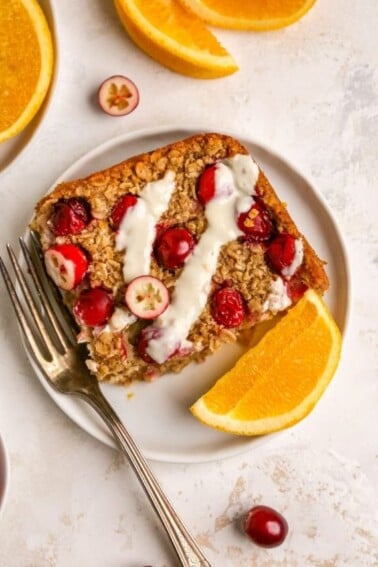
46	337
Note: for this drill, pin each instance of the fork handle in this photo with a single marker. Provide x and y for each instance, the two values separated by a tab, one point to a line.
186	548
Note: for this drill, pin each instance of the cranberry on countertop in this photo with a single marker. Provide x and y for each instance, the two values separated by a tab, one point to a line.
227	307
118	95
265	526
256	223
70	216
94	307
173	246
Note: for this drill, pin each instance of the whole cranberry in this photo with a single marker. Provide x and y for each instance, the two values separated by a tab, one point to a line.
227	307
265	526
94	307
121	207
206	185
256	223
69	216
173	247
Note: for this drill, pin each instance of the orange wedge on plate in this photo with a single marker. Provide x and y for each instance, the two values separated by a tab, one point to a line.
175	37
278	381
255	15
26	64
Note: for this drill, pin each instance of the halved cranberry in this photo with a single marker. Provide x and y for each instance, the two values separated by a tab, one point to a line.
121	207
281	251
206	185
94	307
146	297
70	216
265	526
173	247
227	307
256	223
66	264
118	95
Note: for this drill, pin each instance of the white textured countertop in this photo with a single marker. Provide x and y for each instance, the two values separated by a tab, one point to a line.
311	92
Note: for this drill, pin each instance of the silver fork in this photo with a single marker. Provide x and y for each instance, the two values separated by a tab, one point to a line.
54	349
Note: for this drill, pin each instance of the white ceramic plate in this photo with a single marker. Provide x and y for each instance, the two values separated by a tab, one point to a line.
156	414
11	149
4	474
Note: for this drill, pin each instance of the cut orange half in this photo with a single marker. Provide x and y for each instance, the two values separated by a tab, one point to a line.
278	381
175	37
26	64
255	15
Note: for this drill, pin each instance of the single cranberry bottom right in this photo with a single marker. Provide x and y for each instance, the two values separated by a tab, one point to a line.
265	526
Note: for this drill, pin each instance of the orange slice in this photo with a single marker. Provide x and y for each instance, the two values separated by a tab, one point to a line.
253	15
278	381
26	64
174	37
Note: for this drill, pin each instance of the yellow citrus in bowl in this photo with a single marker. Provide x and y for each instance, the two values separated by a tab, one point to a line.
26	64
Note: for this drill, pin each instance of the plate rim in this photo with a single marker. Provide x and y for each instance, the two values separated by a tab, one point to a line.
4	460
63	402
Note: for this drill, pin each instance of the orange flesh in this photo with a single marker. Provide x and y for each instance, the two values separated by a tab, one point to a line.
251	389
20	61
256	9
175	22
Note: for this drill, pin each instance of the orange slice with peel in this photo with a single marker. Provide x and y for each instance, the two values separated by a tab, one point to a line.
26	64
255	15
278	381
175	37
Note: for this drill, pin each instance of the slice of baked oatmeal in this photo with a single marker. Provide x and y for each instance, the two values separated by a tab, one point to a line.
169	254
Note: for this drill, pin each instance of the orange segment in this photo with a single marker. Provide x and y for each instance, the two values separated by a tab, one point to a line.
257	15
175	38
278	381
26	63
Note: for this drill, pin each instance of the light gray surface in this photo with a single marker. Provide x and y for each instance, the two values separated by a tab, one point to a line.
310	92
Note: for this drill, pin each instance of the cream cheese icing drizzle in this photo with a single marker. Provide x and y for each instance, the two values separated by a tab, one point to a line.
235	180
136	233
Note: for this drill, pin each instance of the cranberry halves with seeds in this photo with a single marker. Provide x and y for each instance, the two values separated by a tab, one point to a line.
70	216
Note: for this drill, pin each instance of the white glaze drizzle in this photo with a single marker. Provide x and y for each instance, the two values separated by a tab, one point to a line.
278	298
136	232
235	180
